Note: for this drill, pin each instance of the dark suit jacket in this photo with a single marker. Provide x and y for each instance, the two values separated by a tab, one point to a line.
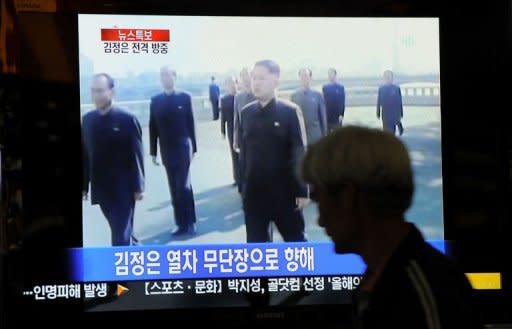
214	91
334	95
390	101
270	150
171	123
112	155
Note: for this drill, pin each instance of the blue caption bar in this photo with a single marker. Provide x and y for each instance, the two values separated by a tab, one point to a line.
217	260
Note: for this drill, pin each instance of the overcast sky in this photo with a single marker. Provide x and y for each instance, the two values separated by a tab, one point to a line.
354	46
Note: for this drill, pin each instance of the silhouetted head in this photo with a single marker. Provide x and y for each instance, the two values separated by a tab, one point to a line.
357	176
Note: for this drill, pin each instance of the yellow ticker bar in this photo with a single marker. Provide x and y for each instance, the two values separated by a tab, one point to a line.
485	281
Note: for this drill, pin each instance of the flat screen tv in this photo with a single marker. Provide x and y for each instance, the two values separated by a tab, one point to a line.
67	261
133	48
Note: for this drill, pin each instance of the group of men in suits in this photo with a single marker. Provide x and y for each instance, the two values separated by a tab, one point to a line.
267	138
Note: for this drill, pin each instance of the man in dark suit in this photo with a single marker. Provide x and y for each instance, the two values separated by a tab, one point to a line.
270	147
112	160
390	101
172	124
334	95
214	92
227	113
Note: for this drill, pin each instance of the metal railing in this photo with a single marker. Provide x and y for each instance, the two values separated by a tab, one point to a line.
413	94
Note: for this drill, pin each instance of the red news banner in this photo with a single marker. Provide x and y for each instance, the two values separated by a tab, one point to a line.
151	35
140	41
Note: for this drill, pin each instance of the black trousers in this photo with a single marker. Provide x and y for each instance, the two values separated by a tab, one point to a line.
391	127
182	194
119	215
259	214
215	108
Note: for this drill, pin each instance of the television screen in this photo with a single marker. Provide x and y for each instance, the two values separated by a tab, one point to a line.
203	52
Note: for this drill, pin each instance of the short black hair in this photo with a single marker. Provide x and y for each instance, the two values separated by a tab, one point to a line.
332	69
272	66
107	76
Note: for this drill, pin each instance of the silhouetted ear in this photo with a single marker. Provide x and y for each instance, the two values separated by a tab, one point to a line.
349	199
360	203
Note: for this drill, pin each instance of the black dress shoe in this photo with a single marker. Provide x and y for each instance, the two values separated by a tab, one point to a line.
179	230
184	230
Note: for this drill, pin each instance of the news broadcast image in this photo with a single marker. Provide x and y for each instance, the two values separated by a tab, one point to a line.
203	53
